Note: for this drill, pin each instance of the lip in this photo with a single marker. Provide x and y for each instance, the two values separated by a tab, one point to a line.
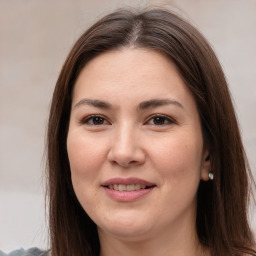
127	196
127	181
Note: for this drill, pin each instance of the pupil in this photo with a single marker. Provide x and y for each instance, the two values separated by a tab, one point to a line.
98	120
159	120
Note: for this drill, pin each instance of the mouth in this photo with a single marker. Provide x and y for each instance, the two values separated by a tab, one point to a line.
130	187
127	190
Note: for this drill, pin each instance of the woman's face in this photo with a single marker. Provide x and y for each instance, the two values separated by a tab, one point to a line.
135	145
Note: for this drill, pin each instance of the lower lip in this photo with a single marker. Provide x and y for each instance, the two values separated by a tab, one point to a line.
127	196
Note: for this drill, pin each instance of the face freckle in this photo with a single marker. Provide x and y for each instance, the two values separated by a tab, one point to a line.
132	89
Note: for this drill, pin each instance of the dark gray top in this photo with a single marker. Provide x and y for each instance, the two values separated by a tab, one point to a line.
29	252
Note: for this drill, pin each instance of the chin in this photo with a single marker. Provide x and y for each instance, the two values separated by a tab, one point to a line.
129	229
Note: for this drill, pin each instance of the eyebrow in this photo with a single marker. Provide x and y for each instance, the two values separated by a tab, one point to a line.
159	102
143	105
94	103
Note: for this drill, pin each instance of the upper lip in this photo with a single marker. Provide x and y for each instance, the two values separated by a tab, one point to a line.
127	181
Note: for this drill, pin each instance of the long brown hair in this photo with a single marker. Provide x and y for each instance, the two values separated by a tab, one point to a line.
222	223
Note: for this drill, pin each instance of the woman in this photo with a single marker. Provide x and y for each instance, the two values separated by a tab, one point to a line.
144	151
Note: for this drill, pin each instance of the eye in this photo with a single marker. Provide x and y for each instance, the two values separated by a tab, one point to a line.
94	120
160	120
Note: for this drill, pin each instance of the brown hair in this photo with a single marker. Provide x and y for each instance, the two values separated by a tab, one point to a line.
222	223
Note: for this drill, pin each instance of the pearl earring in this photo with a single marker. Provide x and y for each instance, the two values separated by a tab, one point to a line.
210	175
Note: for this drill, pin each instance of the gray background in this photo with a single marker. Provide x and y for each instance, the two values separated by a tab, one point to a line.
35	37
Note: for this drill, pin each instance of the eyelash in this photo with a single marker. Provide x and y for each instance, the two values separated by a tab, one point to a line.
102	120
87	119
164	118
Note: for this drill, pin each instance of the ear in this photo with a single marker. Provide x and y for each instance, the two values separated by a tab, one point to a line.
205	165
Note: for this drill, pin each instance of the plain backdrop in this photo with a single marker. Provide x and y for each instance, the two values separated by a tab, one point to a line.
35	38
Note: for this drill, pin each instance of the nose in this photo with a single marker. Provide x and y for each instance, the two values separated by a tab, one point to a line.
126	148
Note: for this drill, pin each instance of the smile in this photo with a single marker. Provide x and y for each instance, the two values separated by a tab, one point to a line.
131	187
127	190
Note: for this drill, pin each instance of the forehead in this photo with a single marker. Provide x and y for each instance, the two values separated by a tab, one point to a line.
129	61
130	74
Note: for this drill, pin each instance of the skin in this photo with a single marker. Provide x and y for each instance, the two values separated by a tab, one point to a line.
128	141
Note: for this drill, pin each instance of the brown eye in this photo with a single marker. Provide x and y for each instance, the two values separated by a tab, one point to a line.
95	120
160	120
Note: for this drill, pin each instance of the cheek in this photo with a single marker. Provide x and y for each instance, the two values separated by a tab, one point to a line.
86	160
178	162
85	156
178	158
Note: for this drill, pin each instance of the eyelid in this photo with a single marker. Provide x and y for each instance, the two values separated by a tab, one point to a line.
168	118
85	120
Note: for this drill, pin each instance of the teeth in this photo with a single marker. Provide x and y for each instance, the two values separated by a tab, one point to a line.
137	186
122	187
130	187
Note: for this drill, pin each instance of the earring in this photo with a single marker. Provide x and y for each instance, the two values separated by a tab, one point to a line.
210	175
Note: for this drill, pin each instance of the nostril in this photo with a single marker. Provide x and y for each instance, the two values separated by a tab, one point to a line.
124	163
126	157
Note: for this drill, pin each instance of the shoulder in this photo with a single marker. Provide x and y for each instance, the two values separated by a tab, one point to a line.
29	252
